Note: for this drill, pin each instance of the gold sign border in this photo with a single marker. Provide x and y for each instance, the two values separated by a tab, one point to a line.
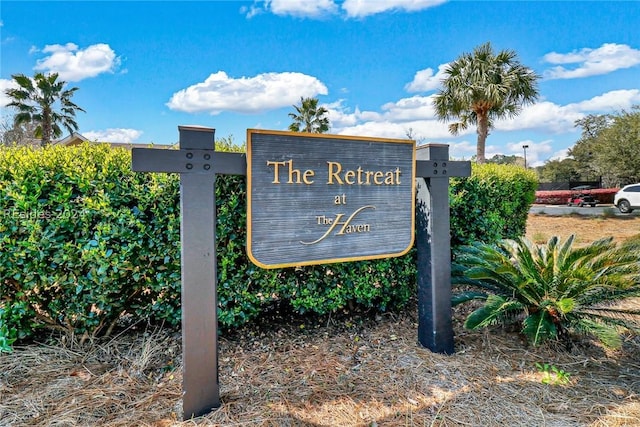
251	132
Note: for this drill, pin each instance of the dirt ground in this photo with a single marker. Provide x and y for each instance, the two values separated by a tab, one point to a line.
357	370
586	228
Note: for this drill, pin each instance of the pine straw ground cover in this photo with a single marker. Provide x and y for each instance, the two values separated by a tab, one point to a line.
347	371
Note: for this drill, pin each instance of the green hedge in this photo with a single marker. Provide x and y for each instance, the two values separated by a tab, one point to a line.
492	204
84	241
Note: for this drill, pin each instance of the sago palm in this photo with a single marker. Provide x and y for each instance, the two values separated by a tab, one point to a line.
45	102
554	289
481	87
309	117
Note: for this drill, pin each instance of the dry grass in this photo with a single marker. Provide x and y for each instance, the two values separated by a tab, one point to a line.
586	228
349	372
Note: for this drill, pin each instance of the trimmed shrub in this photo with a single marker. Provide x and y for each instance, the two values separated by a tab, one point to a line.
492	204
84	241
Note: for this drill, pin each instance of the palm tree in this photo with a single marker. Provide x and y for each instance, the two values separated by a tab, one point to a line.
309	117
44	101
553	289
481	87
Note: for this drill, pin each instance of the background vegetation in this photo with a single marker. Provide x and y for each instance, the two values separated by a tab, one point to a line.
608	150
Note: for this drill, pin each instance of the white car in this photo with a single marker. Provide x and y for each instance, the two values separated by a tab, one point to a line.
627	198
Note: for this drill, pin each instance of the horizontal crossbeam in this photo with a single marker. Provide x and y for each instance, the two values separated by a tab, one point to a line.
217	162
209	162
442	168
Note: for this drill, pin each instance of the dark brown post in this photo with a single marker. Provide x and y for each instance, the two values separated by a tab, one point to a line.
199	300
197	163
433	243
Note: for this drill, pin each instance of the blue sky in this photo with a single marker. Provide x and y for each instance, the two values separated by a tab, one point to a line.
145	67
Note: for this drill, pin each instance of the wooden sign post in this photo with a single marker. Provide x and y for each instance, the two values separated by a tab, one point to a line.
197	162
433	242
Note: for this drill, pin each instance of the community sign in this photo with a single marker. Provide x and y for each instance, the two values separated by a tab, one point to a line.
317	198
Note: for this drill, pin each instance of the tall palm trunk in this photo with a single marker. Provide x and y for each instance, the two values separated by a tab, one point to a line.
483	132
47	129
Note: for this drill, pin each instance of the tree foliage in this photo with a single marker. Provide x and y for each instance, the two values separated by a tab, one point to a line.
618	151
482	87
45	102
12	133
562	170
308	117
585	150
608	150
503	159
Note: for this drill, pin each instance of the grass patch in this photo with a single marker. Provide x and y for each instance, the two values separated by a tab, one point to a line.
539	237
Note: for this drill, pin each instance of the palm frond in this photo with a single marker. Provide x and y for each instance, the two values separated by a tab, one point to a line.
556	286
539	327
629	318
467	296
496	310
607	334
42	100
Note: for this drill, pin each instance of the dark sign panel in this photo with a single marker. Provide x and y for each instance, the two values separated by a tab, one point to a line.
315	198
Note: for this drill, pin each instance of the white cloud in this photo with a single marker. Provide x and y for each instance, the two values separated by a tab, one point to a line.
394	119
4	85
251	11
559	155
609	101
298	8
74	64
302	8
408	109
263	92
543	116
425	80
532	147
113	135
592	62
363	8
464	150
549	117
416	113
382	129
318	9
537	153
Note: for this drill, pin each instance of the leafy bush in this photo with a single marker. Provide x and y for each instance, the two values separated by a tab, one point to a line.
84	241
492	204
553	289
245	290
